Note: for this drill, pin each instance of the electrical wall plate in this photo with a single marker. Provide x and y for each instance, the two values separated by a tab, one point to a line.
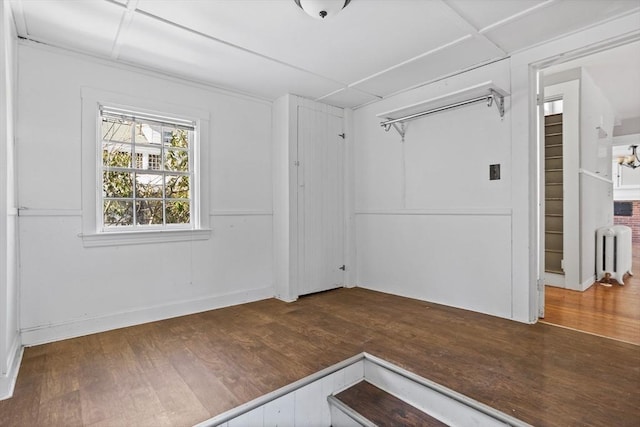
494	172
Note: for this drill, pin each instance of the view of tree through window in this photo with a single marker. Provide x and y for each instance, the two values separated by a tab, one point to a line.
146	173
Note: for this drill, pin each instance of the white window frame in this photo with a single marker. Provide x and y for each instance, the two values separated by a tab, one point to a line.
93	233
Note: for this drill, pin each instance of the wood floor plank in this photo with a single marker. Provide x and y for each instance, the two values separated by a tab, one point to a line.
542	374
602	310
383	409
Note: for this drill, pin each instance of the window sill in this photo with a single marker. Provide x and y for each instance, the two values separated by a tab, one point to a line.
143	237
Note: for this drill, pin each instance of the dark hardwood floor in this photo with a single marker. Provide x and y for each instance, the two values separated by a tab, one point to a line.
383	409
184	370
610	311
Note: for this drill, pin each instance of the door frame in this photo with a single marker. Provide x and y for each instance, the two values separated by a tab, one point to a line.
536	141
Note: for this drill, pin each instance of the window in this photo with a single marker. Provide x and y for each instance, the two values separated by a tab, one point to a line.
145	170
155	190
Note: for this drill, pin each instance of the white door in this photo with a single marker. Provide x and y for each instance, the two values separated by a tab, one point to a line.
320	201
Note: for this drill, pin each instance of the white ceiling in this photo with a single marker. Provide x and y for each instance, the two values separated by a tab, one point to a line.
370	50
617	73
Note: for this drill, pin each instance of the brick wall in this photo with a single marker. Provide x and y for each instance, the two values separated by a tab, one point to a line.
631	221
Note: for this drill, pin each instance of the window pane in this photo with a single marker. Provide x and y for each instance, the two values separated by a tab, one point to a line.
176	160
117	184
553	107
178	213
148	134
150	157
117	213
161	193
116	130
116	155
149	212
177	138
177	187
148	186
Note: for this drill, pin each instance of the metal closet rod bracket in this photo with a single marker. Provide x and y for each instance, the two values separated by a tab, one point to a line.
400	128
490	99
498	99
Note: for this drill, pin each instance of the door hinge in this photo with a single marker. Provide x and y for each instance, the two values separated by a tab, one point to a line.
343	268
296	163
342	135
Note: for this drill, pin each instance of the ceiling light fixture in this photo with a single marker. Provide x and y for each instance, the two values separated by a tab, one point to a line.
322	9
630	161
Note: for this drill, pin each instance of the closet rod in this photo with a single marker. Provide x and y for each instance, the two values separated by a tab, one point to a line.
493	96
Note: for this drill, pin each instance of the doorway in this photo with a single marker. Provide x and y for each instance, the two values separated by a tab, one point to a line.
612	311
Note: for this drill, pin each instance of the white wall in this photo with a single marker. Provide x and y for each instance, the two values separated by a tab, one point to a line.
67	289
429	222
596	185
9	336
487	261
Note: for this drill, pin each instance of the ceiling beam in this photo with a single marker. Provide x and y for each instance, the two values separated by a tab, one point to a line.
123	27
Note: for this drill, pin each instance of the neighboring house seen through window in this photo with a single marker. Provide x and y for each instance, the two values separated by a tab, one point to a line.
147	171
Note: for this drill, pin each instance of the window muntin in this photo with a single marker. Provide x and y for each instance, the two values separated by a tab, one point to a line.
147	172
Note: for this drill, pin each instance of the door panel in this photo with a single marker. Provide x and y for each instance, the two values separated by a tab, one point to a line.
320	201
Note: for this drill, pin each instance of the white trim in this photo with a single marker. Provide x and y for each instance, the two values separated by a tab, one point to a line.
240	212
459	211
343	415
626	193
48	212
143	237
622	140
460	407
587	283
289	388
8	381
515	16
464	405
24	211
595	175
91	98
410	60
554	279
85	326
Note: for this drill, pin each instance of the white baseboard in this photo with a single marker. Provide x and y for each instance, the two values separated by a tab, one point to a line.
554	279
8	381
86	326
587	283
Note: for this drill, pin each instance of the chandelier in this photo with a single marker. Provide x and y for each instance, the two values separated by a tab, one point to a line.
630	161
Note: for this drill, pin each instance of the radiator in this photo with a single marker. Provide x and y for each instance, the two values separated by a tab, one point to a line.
613	252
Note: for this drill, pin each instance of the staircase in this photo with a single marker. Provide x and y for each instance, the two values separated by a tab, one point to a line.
366	405
553	194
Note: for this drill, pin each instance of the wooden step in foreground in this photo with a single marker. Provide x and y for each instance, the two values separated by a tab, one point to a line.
383	409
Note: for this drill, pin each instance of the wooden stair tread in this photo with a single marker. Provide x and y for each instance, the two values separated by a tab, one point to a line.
383	409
